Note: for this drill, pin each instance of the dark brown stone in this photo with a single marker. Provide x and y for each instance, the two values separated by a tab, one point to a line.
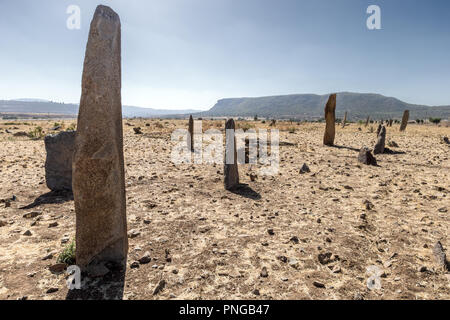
379	146
230	164
330	118
404	120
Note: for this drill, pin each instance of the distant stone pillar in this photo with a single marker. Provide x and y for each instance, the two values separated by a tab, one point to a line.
379	129
379	146
58	164
345	120
390	122
98	162
191	134
367	121
330	118
231	166
404	120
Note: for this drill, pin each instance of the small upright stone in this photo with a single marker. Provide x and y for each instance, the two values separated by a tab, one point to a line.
98	162
230	166
367	121
345	120
330	118
379	129
190	140
58	164
379	146
404	120
366	157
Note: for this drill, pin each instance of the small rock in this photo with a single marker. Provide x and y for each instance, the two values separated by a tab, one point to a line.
57	268
145	258
318	284
264	273
304	169
53	225
32	214
443	210
134	265
52	290
159	287
137	130
27	233
422	269
48	257
133	234
270	232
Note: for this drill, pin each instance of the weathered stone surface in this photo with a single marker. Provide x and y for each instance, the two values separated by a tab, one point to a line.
98	163
230	165
58	164
381	142
366	157
404	120
190	140
330	118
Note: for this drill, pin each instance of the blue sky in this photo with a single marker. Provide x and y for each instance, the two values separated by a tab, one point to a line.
190	53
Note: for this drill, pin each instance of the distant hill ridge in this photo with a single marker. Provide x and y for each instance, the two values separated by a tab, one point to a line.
44	107
294	106
358	105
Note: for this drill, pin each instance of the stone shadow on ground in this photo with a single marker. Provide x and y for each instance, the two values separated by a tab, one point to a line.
51	197
246	191
108	287
344	147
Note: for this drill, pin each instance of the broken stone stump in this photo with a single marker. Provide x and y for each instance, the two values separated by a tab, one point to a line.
58	164
190	140
366	157
330	118
404	120
98	162
379	146
230	166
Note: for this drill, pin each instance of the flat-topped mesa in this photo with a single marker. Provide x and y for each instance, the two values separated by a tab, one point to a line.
190	140
98	162
404	120
230	170
380	145
330	118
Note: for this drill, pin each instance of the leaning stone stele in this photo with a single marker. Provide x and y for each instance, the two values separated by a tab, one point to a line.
231	174
191	134
404	120
58	164
330	118
98	162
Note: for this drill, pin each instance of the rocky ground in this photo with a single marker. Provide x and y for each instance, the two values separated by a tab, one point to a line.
290	236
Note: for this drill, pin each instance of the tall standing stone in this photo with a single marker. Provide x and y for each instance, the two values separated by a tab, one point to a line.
345	120
98	163
230	166
367	121
379	129
330	118
379	146
58	164
191	134
404	120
